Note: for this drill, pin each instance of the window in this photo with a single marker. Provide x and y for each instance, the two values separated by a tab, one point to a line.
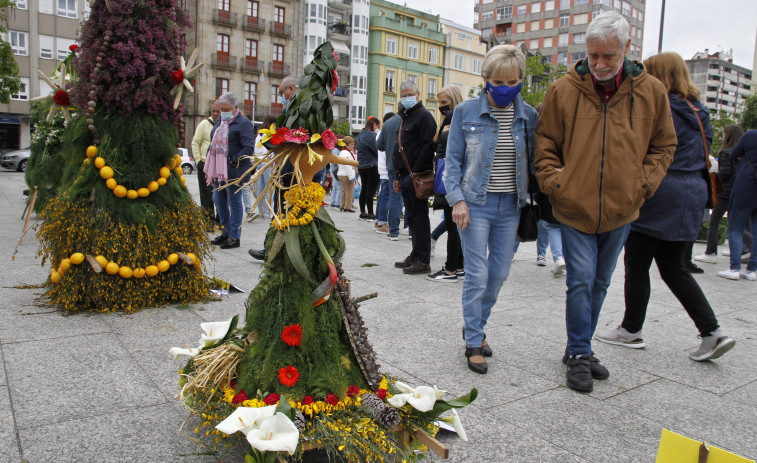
596	13
521	28
579	56
250	90
67	8
251	48
432	88
521	10
413	78
63	45
46	46
391	46
224	5
459	60
562	58
279	14
549	5
477	66
626	9
638	33
433	54
547	42
582	18
19	43
275	97
389	83
534	26
23	92
21	4
278	53
252	8
564	4
222	44
579	38
504	12
535	7
549	23
487	16
46	6
562	40
412	50
44	88
564	20
580	2
641	16
616	4
222	86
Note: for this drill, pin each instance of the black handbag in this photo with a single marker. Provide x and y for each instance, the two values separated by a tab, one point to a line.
528	227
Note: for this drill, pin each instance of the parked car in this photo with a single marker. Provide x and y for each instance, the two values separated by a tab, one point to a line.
15	160
187	162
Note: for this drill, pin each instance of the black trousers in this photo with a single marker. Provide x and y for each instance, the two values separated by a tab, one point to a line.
416	216
206	191
369	181
640	250
454	247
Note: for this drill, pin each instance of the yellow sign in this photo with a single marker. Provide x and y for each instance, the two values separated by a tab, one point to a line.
675	448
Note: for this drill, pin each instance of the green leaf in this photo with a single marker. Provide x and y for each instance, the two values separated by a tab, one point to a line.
442	406
285	408
309	68
278	243
295	253
305	107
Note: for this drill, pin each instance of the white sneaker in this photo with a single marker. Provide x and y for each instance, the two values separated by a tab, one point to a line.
708	258
541	261
729	274
621	337
713	346
726	253
433	248
558	267
747	275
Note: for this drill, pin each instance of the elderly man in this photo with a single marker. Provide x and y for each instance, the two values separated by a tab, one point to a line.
200	145
416	137
604	141
287	89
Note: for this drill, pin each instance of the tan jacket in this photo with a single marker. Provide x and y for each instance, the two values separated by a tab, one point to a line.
612	155
201	140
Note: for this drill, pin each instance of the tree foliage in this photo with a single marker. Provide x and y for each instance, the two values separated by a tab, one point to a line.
748	118
10	84
539	76
719	122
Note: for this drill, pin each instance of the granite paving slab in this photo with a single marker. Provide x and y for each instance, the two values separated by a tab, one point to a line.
24	324
8	441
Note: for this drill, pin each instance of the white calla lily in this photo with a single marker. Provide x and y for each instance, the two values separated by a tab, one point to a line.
245	419
275	434
214	332
422	398
189	352
454	420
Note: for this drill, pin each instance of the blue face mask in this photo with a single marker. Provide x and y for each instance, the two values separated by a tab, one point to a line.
285	104
408	101
226	115
502	95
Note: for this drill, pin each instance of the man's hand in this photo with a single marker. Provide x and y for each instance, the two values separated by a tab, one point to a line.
396	186
460	214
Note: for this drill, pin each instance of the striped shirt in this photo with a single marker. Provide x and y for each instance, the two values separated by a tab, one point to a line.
502	178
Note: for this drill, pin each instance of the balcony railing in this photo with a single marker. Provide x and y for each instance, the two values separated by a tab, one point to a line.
340	28
340	92
222	61
226	18
281	29
278	69
251	23
252	65
340	3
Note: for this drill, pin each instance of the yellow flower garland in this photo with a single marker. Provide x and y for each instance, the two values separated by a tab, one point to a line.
301	204
112	268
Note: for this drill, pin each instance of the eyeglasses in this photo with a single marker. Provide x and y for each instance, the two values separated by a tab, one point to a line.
408	95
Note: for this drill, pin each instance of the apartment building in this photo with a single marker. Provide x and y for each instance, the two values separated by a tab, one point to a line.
463	56
556	28
724	85
405	44
248	47
40	32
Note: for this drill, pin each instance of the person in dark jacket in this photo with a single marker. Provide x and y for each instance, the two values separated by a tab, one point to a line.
670	219
367	156
416	137
743	207
731	136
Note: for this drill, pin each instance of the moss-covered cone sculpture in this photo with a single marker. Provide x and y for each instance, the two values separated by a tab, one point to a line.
124	233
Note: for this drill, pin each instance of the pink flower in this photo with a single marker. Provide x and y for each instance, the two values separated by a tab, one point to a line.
328	138
297	136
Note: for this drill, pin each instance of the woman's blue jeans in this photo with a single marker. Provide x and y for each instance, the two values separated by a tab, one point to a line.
230	209
488	248
737	220
549	234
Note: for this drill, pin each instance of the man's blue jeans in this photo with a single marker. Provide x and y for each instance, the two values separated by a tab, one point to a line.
336	187
230	209
591	260
395	210
549	234
382	205
737	220
488	242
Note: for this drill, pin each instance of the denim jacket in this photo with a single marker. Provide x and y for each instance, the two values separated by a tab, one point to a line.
471	145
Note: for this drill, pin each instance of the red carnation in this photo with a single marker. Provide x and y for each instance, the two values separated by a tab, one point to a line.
307	400
381	393
288	376
233	384
272	398
332	399
278	137
352	391
292	335
61	98
329	139
336	57
239	397
73	47
177	76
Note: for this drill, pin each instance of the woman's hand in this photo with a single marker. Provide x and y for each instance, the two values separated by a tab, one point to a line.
460	214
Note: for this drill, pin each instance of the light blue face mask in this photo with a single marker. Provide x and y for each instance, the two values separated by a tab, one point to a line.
285	104
408	101
226	115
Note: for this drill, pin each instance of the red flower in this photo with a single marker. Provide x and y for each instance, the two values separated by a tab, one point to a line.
352	391
61	98
278	137
292	335
233	384
239	397
288	376
328	138
332	399
271	398
298	136
307	400
177	76
334	81
73	47
381	393
336	57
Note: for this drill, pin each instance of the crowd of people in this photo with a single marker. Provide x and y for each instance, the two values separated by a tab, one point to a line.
602	157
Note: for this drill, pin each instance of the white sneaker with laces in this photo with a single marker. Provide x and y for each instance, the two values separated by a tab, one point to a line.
559	266
708	258
747	275
729	274
713	346
621	337
541	261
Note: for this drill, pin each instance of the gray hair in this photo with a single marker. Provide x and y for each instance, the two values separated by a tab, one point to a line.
503	57
229	97
289	81
607	25
407	85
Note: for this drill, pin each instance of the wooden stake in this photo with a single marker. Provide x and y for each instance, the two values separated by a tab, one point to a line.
28	212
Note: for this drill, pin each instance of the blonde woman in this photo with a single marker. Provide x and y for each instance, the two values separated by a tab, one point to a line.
346	175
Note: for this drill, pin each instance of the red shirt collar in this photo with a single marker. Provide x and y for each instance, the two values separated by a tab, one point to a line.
605	93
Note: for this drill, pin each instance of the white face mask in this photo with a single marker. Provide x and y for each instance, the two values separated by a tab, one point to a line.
226	115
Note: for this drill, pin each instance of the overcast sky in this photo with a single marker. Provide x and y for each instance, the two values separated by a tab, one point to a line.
690	25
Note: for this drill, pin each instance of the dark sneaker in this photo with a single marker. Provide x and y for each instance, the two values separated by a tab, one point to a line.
230	243
417	267
442	276
391	237
598	371
405	263
578	375
363	216
460	274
